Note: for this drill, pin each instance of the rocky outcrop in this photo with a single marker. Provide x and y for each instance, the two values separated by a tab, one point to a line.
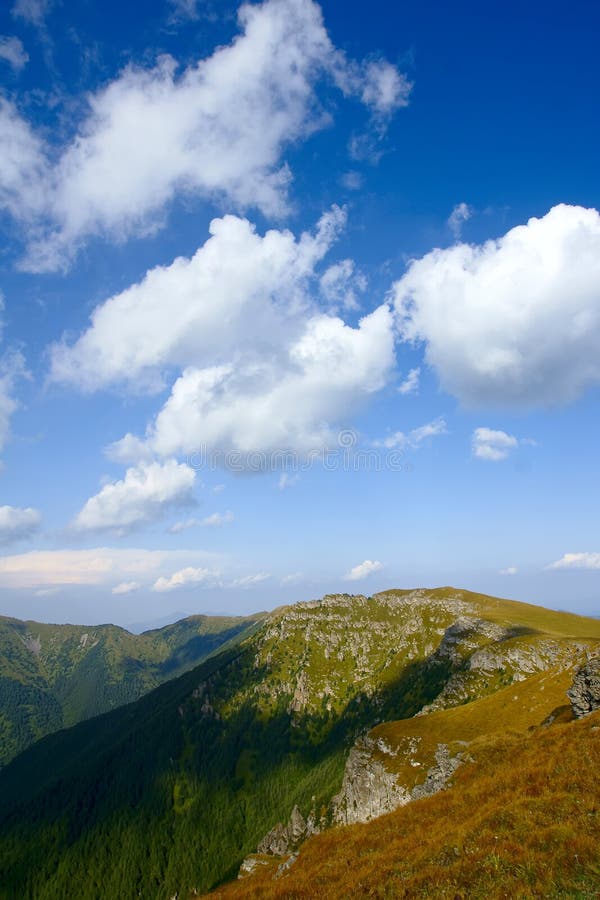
250	865
282	839
584	693
368	789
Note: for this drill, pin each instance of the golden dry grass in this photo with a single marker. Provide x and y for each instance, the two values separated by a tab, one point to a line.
522	821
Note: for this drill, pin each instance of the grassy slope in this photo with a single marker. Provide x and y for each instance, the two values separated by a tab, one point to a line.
521	820
53	676
185	781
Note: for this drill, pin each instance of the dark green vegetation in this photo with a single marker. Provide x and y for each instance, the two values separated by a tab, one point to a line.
52	676
168	794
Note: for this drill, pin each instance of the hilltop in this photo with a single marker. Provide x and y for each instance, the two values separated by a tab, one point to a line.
193	778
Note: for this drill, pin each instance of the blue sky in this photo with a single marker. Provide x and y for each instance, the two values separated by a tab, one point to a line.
296	299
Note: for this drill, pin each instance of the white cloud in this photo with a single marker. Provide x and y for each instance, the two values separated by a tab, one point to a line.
182	525
577	561
17	523
515	321
493	445
184	578
410	385
249	581
287	402
341	283
262	367
238	290
384	89
32	11
461	213
511	570
218	489
12	369
13	52
216	520
415	437
22	166
218	129
126	587
144	494
98	566
363	570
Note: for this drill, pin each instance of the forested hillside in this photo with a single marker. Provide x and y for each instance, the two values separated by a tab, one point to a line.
52	676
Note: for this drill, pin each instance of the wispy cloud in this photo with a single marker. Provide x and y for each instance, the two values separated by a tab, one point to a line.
13	52
414	438
461	213
410	385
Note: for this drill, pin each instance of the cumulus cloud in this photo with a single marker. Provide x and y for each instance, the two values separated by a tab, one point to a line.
511	570
126	587
13	52
493	445
514	321
143	495
184	578
577	561
461	213
415	437
262	367
238	290
286	402
218	129
17	523
410	385
363	570
98	566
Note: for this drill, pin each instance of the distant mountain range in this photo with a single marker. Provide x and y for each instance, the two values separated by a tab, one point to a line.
52	676
270	740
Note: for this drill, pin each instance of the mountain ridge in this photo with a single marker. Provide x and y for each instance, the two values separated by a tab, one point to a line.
188	780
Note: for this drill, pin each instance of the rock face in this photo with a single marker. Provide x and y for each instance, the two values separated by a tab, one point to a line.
369	790
584	693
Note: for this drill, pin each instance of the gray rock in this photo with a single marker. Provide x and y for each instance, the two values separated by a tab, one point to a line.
368	789
584	693
282	839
